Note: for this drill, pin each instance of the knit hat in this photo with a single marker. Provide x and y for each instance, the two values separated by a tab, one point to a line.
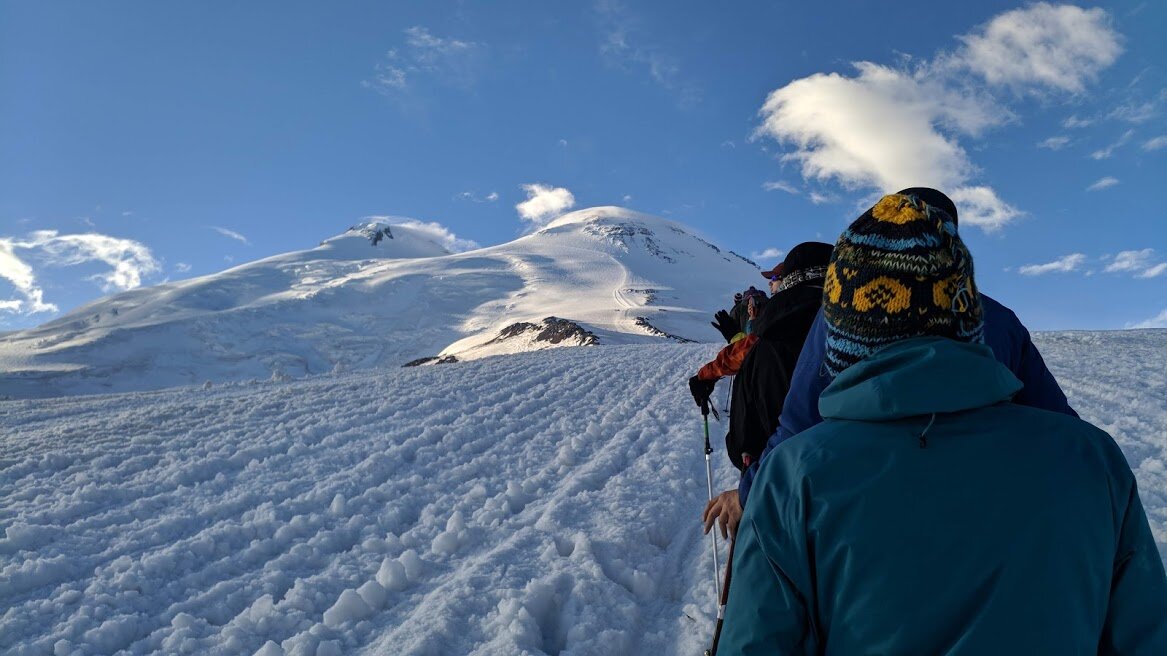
806	262
933	197
737	298
899	271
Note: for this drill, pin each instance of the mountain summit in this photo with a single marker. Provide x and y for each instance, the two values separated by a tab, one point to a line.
382	295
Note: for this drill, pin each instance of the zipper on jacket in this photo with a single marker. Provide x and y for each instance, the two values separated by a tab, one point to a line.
924	435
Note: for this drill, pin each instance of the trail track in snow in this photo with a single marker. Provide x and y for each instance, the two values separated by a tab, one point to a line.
529	504
533	504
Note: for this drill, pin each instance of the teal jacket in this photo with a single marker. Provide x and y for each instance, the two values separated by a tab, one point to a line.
929	515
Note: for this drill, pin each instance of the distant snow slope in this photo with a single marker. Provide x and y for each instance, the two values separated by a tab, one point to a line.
540	503
623	276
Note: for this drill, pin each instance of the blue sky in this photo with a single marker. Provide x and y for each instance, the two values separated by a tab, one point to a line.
146	141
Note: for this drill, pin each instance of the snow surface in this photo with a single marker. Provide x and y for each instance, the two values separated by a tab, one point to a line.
348	304
541	503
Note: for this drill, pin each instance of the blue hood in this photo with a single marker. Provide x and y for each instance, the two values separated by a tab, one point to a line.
943	375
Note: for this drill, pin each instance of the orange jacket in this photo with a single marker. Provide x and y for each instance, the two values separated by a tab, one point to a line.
728	360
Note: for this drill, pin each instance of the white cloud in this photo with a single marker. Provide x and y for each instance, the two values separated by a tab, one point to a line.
1154	271
182	267
472	197
1060	47
435	231
1054	143
980	206
1105	153
21	276
1061	265
768	254
627	198
424	54
1134	113
728	144
544	203
1158	321
230	233
1131	261
1103	183
780	185
1141	263
563	143
1156	143
881	128
820	199
129	263
886	128
1074	122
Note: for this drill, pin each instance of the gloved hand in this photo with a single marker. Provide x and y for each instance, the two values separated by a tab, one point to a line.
726	325
701	391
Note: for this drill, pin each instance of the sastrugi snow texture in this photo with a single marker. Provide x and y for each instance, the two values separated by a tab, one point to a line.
539	503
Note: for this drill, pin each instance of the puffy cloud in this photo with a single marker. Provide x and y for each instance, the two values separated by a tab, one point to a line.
21	276
768	254
129	263
1074	122
231	233
1061	265
433	230
881	128
1157	321
544	203
1103	183
981	207
884	128
443	235
182	267
1062	47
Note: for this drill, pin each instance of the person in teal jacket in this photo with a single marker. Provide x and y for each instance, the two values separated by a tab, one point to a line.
928	514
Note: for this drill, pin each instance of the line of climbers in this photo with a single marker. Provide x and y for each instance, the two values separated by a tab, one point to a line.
913	478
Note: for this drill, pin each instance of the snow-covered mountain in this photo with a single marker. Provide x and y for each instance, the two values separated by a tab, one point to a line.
544	503
383	295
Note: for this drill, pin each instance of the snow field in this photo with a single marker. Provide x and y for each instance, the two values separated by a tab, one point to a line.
542	503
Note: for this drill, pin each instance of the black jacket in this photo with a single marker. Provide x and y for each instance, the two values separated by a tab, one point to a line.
763	380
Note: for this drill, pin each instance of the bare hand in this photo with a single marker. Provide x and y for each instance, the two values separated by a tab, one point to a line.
726	510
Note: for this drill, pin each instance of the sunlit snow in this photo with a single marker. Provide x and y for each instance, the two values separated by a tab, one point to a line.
540	503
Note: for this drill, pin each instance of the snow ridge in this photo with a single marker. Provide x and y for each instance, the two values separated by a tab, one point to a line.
383	294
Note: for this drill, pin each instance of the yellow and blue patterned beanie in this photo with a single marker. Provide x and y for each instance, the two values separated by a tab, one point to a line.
899	271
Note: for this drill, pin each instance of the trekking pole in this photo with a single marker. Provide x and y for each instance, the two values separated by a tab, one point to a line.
709	481
712	651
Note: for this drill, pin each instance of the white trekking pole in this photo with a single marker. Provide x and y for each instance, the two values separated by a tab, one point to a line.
713	533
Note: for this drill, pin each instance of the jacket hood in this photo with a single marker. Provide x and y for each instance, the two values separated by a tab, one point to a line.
918	376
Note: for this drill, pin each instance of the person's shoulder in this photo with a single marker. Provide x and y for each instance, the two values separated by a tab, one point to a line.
997	309
1032	421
